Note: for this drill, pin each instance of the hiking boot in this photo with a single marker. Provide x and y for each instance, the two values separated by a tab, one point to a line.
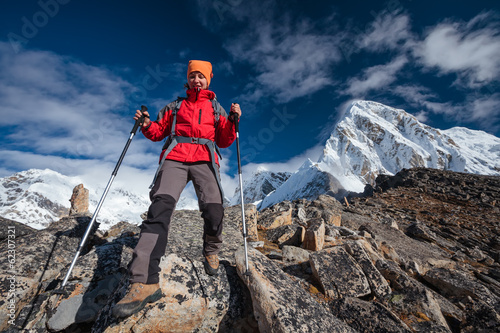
211	264
136	299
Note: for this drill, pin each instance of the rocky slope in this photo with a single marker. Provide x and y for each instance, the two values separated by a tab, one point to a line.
422	254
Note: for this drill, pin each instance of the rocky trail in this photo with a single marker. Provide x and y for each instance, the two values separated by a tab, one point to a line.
420	254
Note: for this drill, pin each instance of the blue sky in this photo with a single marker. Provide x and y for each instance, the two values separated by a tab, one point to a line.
73	72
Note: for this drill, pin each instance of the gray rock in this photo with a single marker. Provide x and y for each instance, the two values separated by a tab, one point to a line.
420	231
328	208
338	273
295	255
251	222
377	282
276	216
193	301
280	305
456	283
314	238
286	235
413	299
45	255
368	316
14	229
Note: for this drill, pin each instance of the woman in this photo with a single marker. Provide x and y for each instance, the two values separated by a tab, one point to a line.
192	126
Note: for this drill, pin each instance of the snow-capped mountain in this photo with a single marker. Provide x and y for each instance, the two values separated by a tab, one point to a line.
312	181
372	139
258	185
39	197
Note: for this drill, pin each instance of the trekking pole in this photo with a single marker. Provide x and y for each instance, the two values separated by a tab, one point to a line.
138	122
237	129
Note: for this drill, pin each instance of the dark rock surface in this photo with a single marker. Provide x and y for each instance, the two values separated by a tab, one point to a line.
422	254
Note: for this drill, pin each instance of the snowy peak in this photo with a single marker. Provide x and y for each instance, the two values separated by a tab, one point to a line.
39	197
480	150
307	183
371	139
258	185
36	197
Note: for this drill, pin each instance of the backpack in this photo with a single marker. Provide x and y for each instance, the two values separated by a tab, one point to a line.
172	140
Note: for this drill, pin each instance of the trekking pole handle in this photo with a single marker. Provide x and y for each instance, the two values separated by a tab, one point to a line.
139	121
236	122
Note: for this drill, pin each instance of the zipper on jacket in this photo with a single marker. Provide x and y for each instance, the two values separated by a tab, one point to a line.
197	93
199	119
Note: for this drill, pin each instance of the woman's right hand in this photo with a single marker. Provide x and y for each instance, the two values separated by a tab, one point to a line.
138	115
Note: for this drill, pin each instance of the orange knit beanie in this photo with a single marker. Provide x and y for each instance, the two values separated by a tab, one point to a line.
204	67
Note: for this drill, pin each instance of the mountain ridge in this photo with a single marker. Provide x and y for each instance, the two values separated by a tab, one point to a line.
372	139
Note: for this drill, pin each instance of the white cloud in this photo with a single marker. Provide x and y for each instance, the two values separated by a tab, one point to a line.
95	173
56	105
290	57
376	77
484	110
388	31
422	116
289	61
468	49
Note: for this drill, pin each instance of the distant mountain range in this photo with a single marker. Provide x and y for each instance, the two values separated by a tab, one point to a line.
369	139
39	197
372	139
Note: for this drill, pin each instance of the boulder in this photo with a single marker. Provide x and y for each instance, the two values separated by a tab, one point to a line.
377	282
193	301
275	216
251	222
294	255
314	238
329	208
14	229
412	300
367	316
338	273
280	305
40	257
286	235
79	200
420	231
453	283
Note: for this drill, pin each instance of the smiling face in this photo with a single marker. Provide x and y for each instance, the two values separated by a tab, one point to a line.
197	80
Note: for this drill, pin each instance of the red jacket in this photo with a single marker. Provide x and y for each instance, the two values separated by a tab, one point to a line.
195	118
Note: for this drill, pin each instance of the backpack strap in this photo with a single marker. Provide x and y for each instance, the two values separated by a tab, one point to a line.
218	111
171	141
176	108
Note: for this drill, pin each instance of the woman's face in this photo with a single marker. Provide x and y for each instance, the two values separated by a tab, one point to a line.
197	80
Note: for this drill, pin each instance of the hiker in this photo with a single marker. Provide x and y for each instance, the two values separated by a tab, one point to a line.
191	125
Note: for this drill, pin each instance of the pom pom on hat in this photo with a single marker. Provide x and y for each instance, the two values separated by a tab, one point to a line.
204	67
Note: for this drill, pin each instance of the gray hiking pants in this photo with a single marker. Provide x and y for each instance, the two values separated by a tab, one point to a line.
166	191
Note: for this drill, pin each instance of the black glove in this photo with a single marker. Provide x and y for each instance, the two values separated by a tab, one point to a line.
233	116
